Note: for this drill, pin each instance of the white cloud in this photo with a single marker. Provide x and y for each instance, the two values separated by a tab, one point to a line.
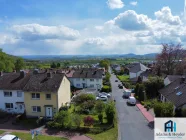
134	3
115	4
130	20
95	41
39	32
7	39
165	15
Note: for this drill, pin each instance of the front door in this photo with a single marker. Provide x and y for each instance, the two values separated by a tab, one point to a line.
49	112
21	108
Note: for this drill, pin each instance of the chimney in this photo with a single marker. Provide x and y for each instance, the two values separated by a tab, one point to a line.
49	75
22	73
1	73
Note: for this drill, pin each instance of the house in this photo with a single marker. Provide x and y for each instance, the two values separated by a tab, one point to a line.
87	78
11	91
116	68
45	93
136	70
175	92
171	78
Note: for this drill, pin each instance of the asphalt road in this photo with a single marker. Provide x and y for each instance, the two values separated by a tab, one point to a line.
132	124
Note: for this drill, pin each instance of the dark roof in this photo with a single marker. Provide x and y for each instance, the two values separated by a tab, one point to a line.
172	89
173	77
136	67
41	83
88	73
13	81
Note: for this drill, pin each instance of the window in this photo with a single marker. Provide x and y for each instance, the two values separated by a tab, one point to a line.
35	96
7	94
9	105
83	79
48	96
78	85
36	109
19	94
92	80
91	85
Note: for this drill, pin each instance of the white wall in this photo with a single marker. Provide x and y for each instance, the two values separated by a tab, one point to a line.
134	75
13	100
88	83
166	81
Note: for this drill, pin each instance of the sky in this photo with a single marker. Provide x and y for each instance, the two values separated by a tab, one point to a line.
81	27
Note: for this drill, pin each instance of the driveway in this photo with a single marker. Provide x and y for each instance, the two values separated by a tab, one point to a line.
132	124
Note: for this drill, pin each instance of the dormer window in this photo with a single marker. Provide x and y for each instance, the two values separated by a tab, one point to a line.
179	93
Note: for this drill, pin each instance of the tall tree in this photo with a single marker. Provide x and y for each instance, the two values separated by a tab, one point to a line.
170	57
19	64
104	63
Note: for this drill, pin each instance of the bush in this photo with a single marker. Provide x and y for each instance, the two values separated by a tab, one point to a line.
88	121
61	117
106	89
163	109
76	119
100	117
99	107
110	111
142	103
3	114
84	98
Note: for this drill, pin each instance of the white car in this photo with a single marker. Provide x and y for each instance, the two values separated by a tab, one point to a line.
9	137
102	98
105	94
131	100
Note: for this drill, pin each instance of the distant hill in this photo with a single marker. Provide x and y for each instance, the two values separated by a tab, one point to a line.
57	57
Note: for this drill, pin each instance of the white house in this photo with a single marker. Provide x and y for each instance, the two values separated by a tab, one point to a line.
136	69
11	91
87	78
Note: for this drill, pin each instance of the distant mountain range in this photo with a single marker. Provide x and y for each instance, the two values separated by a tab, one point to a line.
56	57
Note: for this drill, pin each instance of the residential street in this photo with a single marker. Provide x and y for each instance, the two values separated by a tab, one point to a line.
132	124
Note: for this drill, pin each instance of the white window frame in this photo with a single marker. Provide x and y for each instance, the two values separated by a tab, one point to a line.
48	98
19	94
9	92
92	80
35	98
36	107
11	107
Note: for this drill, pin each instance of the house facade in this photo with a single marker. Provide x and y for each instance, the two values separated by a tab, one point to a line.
45	93
11	91
87	78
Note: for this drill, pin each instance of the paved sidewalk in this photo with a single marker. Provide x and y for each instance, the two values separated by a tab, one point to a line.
145	113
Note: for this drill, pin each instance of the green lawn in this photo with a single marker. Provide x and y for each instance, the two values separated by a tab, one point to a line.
1	131
27	136
123	77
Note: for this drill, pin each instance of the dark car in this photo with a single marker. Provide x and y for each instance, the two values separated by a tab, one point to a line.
120	86
116	80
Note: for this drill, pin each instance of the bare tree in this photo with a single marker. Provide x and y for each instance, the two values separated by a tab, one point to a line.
170	58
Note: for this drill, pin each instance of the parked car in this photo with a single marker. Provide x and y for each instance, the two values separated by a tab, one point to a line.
120	86
102	98
116	80
105	94
9	137
126	93
131	100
